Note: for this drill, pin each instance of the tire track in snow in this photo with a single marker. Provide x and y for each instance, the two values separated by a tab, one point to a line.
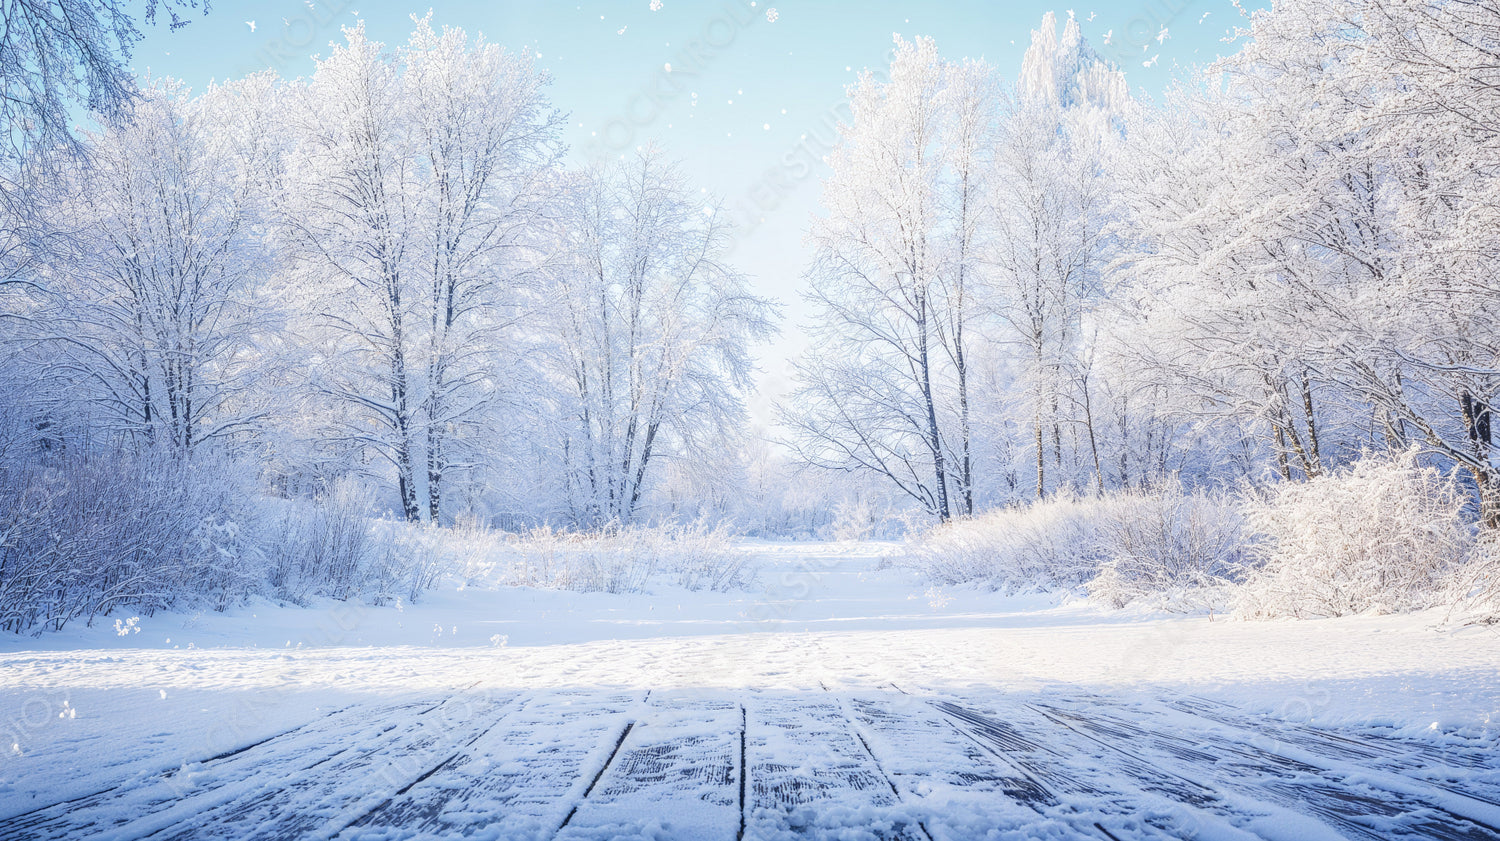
744	726
1448	771
810	777
170	772
614	752
178	800
447	762
603	767
853	726
317	801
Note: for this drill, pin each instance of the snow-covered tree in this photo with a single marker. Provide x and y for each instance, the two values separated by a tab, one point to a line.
487	147
956	275
1317	260
152	297
1052	199
353	221
872	394
422	177
651	330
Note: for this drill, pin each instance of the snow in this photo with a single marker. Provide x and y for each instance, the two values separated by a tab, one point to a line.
1068	71
837	668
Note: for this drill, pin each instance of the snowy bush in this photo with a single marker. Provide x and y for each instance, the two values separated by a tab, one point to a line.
1473	589
1178	550
1043	545
1380	536
322	547
82	535
333	547
1168	549
621	560
417	556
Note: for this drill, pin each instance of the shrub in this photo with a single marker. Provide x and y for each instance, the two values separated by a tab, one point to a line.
1473	590
1177	549
321	547
1380	536
82	535
1170	550
1043	545
621	560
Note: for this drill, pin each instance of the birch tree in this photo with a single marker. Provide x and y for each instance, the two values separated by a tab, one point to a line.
652	329
869	396
355	224
487	145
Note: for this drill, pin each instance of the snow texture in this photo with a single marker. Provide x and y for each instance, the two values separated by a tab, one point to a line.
837	701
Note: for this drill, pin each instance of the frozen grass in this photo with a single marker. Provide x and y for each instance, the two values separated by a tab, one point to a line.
85	537
1384	535
699	556
1175	550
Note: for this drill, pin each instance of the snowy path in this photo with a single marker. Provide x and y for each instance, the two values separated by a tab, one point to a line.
976	717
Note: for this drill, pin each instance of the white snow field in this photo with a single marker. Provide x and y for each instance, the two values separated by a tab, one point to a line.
839	698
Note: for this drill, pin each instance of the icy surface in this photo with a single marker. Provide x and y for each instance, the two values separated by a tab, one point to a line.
840	698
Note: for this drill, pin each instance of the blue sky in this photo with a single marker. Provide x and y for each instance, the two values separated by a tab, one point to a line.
749	104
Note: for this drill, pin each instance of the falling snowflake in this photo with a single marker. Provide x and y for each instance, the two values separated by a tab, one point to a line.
667	67
772	14
655	5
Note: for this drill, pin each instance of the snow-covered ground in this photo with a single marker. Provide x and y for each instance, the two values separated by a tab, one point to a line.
838	698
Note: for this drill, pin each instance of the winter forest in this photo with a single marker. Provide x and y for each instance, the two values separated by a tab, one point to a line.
706	420
257	335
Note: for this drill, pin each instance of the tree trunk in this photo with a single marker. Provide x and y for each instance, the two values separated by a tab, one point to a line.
935	441
1476	415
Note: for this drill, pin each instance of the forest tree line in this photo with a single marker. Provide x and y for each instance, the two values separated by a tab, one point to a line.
1285	263
384	271
238	323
